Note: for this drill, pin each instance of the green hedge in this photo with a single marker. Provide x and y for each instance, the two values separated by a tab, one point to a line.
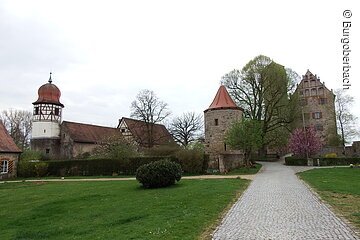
104	167
336	161
293	161
191	162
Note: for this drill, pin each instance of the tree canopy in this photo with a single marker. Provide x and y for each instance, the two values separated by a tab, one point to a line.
262	89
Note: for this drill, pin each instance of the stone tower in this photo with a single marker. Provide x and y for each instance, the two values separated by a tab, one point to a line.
45	135
221	113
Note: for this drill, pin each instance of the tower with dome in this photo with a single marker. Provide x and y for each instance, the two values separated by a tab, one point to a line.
47	116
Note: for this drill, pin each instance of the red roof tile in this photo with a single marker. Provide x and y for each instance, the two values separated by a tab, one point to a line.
222	100
7	144
87	133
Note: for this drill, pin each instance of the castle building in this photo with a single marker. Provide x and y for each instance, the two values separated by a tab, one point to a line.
219	116
316	108
66	140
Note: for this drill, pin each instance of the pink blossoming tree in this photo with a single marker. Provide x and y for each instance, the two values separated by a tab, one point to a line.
304	143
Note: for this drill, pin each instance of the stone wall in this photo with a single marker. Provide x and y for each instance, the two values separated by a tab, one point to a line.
217	122
49	147
13	159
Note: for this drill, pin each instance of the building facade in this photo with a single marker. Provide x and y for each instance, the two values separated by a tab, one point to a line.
316	108
9	154
57	139
220	115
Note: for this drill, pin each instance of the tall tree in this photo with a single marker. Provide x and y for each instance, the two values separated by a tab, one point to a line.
186	128
149	108
346	121
245	135
262	89
18	124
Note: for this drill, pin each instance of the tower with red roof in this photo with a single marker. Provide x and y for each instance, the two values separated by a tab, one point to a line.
47	114
219	116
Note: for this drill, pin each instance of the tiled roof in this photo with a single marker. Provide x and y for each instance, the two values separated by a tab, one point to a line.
7	144
138	129
222	100
87	133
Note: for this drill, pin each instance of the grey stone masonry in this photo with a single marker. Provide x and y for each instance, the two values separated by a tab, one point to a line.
277	205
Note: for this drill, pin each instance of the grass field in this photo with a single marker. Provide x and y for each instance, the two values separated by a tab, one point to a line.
113	209
340	187
245	170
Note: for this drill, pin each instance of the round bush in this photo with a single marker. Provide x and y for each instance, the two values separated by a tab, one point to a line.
158	174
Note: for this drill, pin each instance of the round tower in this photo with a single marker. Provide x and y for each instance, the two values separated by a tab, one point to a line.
221	113
45	135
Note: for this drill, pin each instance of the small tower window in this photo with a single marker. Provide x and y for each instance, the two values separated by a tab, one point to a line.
47	151
36	112
225	146
216	122
57	112
44	130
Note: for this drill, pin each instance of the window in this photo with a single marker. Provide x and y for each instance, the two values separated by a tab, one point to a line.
301	93
306	83
317	115
57	112
216	122
4	166
123	130
322	101
313	92
321	91
313	83
225	146
47	151
307	92
36	111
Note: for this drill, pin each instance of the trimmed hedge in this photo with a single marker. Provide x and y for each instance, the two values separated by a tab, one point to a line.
192	162
159	174
293	161
105	167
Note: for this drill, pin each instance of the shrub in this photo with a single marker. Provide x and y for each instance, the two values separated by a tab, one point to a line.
31	155
159	174
330	155
192	161
163	150
41	169
26	169
293	161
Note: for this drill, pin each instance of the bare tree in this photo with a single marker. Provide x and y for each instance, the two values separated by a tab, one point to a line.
149	108
18	124
186	128
345	119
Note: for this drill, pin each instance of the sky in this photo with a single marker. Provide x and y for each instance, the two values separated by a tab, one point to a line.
102	53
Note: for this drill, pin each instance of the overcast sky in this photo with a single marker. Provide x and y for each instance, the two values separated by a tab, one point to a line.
102	53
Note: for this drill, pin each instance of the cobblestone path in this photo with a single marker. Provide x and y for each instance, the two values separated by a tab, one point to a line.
277	205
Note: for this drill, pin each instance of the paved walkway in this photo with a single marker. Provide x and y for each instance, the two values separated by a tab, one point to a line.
277	205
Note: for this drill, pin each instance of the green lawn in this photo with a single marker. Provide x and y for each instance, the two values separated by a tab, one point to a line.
246	170
113	209
340	187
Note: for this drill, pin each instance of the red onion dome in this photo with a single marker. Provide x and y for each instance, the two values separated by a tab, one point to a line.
49	93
